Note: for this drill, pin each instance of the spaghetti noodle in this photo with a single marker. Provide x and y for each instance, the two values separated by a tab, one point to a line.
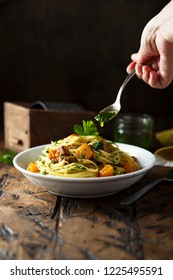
82	157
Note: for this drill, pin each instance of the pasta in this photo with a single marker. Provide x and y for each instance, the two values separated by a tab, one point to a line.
82	157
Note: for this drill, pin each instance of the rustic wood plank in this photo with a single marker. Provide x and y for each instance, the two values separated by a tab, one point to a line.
98	229
27	230
101	229
155	218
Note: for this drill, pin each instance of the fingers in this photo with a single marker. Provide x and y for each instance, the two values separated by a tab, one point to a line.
130	67
148	75
137	59
153	80
143	72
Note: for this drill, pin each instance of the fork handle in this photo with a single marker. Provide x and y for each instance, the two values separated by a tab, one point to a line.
127	79
131	74
132	198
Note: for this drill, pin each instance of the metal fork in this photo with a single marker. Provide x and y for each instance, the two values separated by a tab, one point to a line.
135	196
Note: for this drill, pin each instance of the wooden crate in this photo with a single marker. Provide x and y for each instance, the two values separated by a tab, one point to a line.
25	127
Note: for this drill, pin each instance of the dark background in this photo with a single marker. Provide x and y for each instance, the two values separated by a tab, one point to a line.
76	51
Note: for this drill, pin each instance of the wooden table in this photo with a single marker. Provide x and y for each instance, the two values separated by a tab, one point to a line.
35	224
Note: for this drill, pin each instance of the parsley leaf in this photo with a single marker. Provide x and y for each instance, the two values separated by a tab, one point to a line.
88	128
7	157
97	146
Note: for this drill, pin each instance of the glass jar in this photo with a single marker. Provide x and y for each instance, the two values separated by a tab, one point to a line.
134	129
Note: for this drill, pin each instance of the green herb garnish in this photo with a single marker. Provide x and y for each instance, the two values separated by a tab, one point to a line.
97	146
105	117
88	128
7	157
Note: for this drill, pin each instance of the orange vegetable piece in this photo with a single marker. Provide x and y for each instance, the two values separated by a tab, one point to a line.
107	170
131	166
54	154
32	167
84	151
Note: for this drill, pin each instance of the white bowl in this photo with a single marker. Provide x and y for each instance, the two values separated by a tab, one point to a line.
85	187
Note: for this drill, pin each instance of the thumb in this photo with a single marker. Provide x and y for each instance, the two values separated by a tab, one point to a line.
141	57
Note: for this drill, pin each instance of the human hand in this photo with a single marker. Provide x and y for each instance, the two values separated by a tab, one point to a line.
154	60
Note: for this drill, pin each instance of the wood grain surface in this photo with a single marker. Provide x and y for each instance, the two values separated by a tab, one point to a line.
35	224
